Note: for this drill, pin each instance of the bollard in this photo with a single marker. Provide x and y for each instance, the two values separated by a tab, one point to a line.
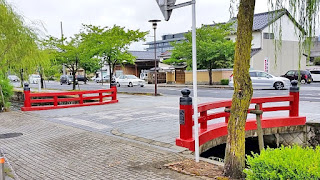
294	91
113	85
26	90
2	173
185	115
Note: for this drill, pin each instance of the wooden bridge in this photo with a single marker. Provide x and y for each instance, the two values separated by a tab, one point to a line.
212	133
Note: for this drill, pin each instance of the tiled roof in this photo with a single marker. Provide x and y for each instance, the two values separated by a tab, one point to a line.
262	20
144	55
254	51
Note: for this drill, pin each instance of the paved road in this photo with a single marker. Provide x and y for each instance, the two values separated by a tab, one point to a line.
309	92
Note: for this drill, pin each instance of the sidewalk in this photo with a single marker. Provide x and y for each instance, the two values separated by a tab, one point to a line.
53	151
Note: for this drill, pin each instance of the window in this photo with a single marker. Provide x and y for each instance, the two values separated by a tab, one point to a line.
315	72
253	74
290	73
262	74
268	35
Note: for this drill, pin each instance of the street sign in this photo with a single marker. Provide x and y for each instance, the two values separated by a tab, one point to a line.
266	65
164	7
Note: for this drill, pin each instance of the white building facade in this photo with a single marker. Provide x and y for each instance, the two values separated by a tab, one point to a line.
270	29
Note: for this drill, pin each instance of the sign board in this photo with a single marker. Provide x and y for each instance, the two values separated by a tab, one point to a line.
266	65
181	117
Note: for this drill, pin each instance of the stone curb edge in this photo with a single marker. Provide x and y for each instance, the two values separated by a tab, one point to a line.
182	150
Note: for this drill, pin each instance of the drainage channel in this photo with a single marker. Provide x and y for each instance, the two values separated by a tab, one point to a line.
252	146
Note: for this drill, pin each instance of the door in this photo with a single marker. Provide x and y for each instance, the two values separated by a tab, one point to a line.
180	76
264	80
290	75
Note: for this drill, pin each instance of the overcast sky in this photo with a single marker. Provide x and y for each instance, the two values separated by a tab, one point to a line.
132	14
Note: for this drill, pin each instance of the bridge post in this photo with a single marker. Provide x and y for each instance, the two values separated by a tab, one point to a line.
26	90
294	91
113	85
185	115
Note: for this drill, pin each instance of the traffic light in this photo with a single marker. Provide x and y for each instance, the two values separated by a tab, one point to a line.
164	7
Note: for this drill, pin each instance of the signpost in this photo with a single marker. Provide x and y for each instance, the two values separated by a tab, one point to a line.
166	7
266	65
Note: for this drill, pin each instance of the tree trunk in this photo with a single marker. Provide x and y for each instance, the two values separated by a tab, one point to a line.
41	79
110	73
235	147
74	79
85	77
210	74
21	77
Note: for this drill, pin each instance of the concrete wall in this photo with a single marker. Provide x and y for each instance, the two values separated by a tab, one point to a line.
288	29
256	39
203	76
287	57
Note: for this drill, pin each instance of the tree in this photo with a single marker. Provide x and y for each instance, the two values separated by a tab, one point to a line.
111	44
307	12
69	53
19	50
214	50
89	65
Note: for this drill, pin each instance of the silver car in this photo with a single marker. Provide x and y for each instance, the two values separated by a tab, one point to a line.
130	81
263	80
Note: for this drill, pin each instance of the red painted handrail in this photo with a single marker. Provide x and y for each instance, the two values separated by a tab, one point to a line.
76	96
209	132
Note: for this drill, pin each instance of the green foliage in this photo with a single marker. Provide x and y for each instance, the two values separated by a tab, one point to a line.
316	61
224	81
214	50
7	91
285	163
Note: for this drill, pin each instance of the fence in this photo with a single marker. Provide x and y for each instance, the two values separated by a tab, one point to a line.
57	100
215	130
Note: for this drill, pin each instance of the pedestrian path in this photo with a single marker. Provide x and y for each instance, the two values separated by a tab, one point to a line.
49	150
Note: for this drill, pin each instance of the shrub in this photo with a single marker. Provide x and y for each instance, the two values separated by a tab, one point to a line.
224	81
293	162
7	90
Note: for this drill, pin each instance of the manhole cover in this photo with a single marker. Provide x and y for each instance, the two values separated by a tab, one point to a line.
10	135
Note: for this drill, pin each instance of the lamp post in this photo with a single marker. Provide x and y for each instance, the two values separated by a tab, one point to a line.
154	26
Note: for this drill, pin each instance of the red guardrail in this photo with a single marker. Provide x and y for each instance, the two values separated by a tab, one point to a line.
79	97
215	130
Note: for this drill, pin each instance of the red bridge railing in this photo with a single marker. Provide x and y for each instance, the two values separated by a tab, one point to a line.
216	129
40	101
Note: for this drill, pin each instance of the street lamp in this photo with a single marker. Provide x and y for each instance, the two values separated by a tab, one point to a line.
154	26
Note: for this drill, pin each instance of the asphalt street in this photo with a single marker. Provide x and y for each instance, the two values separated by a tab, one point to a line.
308	92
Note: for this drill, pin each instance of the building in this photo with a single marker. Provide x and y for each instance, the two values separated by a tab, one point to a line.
163	45
266	29
264	55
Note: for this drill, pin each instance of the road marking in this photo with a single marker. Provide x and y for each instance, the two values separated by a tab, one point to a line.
83	123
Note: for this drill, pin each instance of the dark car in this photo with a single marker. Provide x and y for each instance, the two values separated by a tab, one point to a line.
67	79
81	78
294	74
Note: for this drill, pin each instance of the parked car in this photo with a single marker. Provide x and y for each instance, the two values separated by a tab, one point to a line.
104	79
67	79
81	78
293	75
130	81
315	75
34	78
13	78
263	80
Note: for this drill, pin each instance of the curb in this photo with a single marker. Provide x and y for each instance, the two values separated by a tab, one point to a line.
181	150
140	94
202	86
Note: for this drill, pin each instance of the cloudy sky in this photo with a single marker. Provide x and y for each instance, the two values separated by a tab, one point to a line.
132	14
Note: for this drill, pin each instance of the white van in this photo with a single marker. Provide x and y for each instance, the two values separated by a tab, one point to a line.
315	75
